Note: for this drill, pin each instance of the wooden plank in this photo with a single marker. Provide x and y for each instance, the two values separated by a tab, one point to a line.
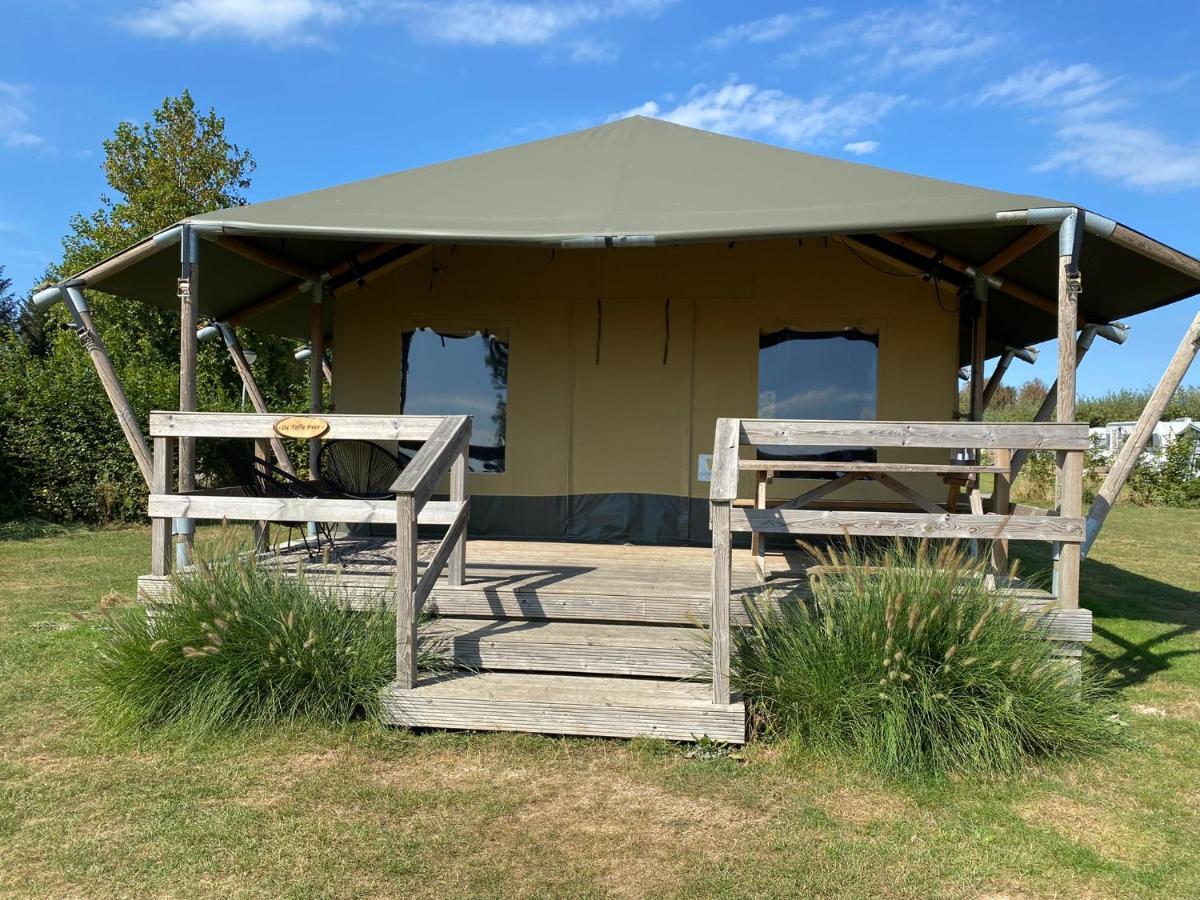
292	509
757	544
985	435
798	465
1029	239
450	542
160	527
265	257
660	651
608	707
1071	504
820	491
458	493
985	527
723	486
722	564
899	487
406	580
1001	506
253	425
431	463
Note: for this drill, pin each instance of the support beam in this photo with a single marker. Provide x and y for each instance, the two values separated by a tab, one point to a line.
85	329
1127	458
189	298
265	257
315	373
253	391
1016	249
292	291
1028	354
949	260
1069	482
978	347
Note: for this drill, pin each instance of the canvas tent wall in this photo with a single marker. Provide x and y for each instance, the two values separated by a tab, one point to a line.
621	361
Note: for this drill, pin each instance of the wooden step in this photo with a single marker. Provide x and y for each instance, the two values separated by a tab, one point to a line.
662	651
566	704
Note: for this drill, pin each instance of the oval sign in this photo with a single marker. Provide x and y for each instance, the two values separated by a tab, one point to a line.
306	427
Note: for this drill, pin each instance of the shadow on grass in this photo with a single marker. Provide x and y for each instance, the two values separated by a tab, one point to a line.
1111	592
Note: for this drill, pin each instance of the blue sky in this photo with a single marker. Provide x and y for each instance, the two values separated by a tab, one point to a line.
1085	102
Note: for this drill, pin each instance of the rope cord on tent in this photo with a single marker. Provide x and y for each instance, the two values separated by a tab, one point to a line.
871	265
666	330
599	327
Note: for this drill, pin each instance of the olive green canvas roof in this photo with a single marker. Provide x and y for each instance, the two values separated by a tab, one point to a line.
635	176
638	181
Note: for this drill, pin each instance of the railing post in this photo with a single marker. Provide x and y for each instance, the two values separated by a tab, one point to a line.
758	543
160	528
722	563
1001	506
262	529
457	568
406	581
1070	479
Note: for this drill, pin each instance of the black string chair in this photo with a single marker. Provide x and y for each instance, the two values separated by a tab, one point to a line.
259	478
359	469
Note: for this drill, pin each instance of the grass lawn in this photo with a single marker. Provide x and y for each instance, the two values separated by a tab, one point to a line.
358	812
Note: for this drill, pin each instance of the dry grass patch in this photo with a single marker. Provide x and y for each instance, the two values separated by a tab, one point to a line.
1105	831
864	807
595	814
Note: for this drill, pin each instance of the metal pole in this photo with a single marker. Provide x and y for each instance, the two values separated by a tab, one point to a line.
189	298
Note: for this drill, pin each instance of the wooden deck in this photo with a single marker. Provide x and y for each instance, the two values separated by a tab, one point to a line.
563	638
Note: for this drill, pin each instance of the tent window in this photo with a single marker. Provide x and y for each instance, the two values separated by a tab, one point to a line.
817	375
448	373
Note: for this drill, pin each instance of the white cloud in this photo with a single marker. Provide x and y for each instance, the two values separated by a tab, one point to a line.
16	113
763	31
914	39
1133	155
587	50
1091	134
271	21
489	23
1072	87
861	148
746	109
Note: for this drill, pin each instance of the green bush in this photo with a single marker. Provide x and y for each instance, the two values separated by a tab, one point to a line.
907	662
240	644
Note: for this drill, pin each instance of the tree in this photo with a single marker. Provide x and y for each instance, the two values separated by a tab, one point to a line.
8	303
61	433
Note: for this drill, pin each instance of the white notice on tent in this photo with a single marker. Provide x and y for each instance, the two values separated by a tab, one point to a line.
704	467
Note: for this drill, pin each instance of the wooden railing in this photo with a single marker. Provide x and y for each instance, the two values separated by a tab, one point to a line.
1066	530
444	451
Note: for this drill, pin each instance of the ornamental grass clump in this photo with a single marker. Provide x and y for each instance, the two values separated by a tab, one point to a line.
907	661
238	643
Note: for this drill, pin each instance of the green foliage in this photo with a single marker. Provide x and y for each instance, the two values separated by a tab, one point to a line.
62	454
908	663
1116	406
1171	479
8	303
239	644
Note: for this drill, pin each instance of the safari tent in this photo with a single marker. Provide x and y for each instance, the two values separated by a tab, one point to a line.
660	336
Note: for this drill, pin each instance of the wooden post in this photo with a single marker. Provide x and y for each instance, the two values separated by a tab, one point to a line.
1127	458
1069	483
722	571
160	528
457	568
979	349
253	391
406	581
997	376
262	528
189	298
315	388
758	549
85	328
1001	505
